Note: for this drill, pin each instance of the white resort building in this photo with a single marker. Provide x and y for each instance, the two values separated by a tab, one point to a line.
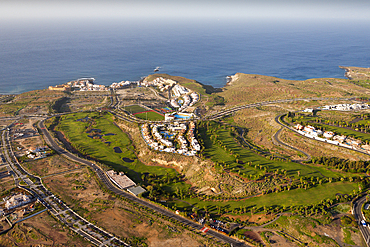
163	137
17	201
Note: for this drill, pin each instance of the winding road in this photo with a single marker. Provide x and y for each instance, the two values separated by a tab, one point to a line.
55	206
365	230
102	176
276	138
227	112
106	181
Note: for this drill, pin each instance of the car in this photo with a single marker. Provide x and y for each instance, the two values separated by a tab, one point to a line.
363	223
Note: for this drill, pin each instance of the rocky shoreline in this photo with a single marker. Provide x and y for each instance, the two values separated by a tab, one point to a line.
356	73
231	78
347	74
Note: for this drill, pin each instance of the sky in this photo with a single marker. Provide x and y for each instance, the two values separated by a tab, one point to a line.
189	9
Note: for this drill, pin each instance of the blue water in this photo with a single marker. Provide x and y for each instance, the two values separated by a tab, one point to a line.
179	116
35	55
166	134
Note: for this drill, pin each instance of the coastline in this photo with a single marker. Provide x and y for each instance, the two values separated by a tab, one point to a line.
351	73
357	73
231	79
347	74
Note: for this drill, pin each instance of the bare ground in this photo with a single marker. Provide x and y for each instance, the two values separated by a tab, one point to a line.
41	230
80	191
255	218
50	165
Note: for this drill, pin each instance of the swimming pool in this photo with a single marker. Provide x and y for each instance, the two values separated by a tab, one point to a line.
182	116
166	134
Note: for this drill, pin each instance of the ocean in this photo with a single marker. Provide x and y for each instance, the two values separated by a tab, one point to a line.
34	55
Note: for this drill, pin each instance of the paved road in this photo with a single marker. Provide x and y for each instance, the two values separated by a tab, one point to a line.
276	138
54	205
108	183
102	176
224	113
365	231
356	150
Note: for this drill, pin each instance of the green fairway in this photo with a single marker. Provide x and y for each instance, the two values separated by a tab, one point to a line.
102	150
105	136
152	116
328	173
363	122
247	159
287	198
135	109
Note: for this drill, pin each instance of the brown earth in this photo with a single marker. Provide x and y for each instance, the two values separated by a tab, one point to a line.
261	127
200	173
4	122
32	102
30	143
6	183
277	240
254	236
50	165
46	166
267	88
255	218
83	103
308	230
41	230
4	225
81	192
158	233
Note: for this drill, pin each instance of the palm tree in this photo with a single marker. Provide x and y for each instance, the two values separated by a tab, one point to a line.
205	209
253	209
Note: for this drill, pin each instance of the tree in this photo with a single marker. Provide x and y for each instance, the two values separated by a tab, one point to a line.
205	209
253	210
194	210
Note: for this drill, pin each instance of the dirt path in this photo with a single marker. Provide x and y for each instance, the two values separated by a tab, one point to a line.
63	172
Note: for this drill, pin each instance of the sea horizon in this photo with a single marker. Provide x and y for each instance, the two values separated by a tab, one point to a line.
35	55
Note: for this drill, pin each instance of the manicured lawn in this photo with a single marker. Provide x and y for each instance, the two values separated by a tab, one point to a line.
219	155
287	198
333	174
363	122
152	116
99	149
135	109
